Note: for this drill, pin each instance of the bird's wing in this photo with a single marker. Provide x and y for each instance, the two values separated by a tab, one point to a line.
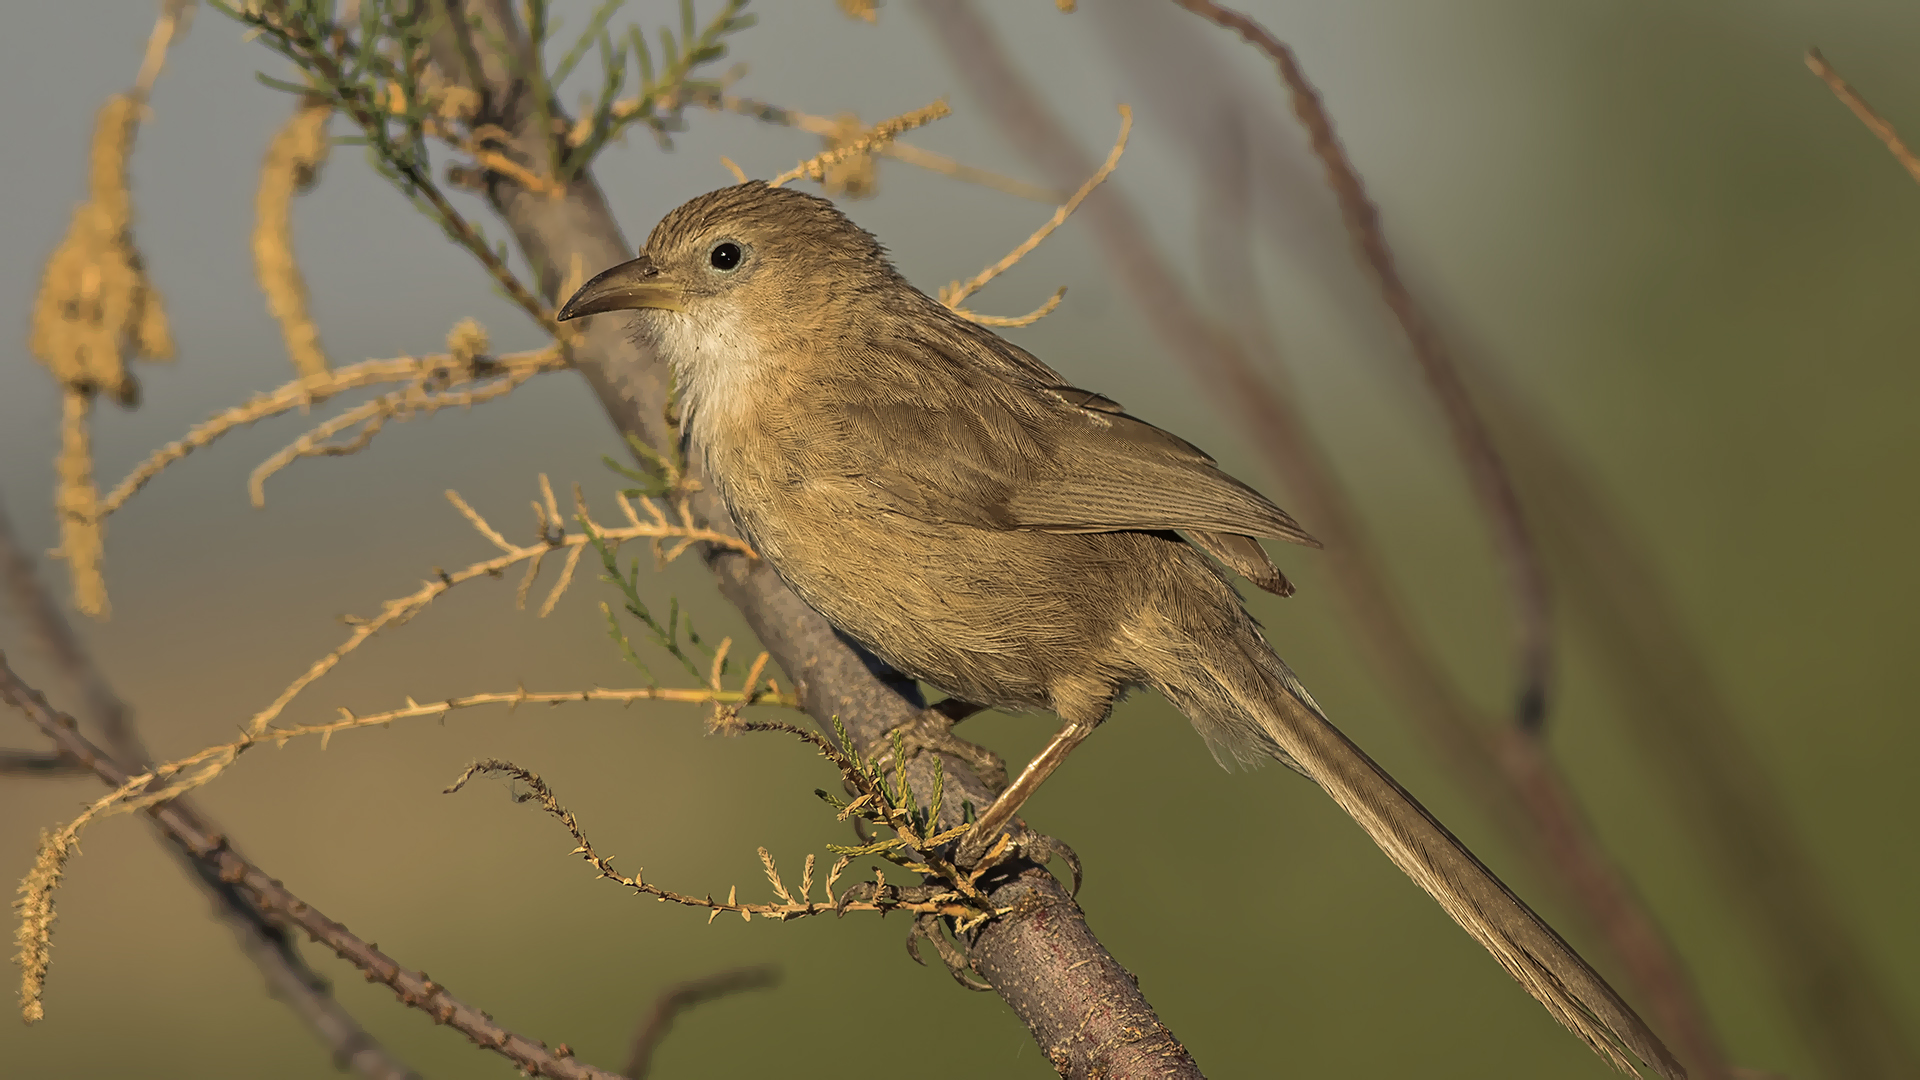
991	444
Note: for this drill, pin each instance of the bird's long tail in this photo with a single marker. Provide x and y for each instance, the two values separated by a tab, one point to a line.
1242	698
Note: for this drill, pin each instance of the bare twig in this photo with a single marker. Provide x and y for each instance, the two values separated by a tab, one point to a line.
680	997
816	167
177	777
422	398
950	904
1851	99
413	988
905	153
954	295
444	370
349	721
1519	555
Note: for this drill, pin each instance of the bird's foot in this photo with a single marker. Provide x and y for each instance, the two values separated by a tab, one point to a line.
932	731
953	949
1019	843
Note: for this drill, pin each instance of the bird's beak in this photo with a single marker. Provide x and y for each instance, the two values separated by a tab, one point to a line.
627	287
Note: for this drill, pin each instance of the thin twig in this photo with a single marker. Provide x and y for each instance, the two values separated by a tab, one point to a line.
442	370
905	153
680	997
815	168
350	720
1852	99
370	417
954	295
1489	475
413	988
182	775
950	904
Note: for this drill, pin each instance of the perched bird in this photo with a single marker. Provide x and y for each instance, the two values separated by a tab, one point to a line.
949	502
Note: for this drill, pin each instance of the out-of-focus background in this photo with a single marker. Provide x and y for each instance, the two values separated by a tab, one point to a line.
1689	258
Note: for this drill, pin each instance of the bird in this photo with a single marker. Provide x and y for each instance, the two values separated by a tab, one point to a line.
956	507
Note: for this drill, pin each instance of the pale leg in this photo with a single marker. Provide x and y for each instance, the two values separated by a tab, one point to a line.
986	828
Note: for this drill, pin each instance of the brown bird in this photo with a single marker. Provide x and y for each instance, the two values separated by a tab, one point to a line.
948	501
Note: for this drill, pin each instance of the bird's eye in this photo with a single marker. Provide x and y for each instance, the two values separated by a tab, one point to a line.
725	255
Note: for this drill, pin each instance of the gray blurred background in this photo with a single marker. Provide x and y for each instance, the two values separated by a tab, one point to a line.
1648	215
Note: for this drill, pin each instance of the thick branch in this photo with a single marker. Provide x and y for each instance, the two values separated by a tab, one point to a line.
275	901
1083	1008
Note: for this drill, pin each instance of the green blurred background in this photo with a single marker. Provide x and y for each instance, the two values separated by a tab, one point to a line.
1649	215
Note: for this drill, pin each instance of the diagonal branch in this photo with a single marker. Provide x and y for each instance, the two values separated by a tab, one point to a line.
260	935
273	899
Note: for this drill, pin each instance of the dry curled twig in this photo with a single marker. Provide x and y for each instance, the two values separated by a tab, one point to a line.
793	903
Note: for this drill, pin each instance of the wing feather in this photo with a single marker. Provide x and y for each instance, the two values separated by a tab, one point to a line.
974	430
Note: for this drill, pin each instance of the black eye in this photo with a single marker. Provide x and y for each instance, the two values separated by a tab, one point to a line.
725	255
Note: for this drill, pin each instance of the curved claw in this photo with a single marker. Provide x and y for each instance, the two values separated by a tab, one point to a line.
954	955
1046	847
863	891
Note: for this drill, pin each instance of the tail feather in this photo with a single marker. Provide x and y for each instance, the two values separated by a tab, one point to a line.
1292	728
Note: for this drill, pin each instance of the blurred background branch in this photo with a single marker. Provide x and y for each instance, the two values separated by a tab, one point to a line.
1851	98
260	933
217	861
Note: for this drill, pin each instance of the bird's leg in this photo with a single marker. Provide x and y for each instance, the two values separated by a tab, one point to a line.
986	828
932	730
